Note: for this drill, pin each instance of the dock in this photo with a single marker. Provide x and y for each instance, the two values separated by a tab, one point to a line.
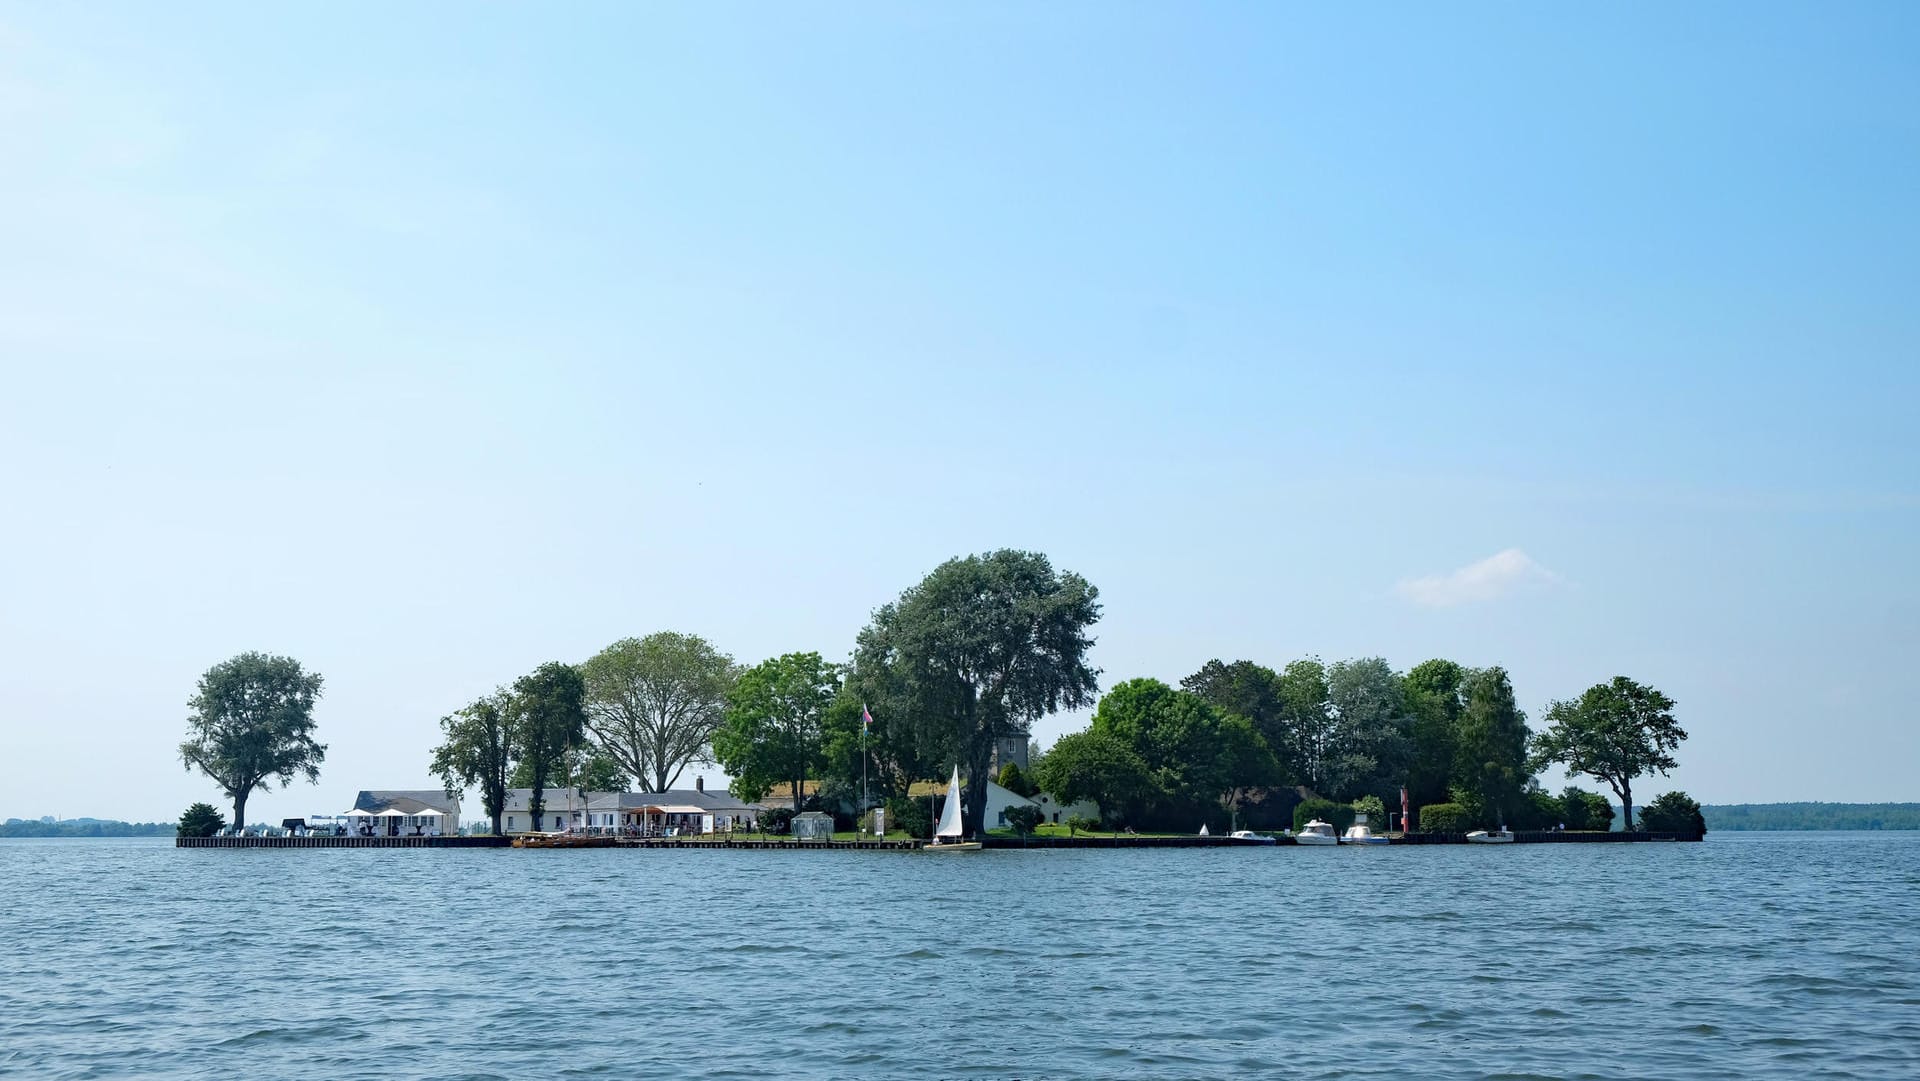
483	841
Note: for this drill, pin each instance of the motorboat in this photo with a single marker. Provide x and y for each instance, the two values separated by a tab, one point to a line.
1316	832
1501	836
1359	834
565	839
1248	837
946	836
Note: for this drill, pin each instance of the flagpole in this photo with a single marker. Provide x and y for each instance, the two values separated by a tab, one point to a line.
866	722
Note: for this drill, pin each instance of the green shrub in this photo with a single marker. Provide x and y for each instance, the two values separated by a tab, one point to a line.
1583	810
1339	814
776	819
1674	812
1081	824
1374	809
910	815
1444	818
1016	780
1537	810
1023	818
201	820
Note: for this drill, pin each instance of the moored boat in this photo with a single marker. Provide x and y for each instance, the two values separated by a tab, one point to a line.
1359	834
947	836
1248	837
1316	832
1501	836
564	840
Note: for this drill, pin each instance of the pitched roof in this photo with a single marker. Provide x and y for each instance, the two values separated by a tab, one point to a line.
923	789
412	801
555	800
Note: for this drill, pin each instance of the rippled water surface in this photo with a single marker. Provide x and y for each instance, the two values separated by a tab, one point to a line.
1782	955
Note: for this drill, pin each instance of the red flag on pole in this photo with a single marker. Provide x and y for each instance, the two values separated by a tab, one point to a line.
1403	809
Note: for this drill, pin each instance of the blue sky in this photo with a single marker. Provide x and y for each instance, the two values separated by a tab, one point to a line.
427	345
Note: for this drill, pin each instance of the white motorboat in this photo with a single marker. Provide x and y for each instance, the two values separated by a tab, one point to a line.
1316	832
1359	834
946	836
1501	836
1248	837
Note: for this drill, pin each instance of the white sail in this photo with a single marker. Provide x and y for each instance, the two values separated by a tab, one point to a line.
950	814
1203	829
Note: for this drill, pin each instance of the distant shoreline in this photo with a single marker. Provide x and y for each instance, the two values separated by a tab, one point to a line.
1767	817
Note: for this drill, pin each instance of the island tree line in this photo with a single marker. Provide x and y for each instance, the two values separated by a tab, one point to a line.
965	662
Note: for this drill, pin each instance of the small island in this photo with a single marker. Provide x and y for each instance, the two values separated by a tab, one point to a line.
951	676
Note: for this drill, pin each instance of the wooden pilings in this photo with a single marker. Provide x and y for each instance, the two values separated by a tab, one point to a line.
341	842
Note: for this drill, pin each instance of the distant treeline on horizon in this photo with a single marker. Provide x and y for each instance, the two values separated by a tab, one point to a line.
84	827
1733	817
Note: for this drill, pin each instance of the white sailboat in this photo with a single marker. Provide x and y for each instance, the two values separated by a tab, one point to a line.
946	836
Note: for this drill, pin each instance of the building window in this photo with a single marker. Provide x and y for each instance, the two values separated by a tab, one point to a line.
509	821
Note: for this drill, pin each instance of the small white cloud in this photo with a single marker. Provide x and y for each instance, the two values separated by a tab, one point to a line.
1489	579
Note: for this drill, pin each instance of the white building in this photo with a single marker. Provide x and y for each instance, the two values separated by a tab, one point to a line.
421	812
1054	812
690	810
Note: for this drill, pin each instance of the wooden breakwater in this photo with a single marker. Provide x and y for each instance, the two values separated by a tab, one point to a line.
341	842
1123	841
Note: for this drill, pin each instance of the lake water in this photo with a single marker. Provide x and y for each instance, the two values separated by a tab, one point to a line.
1756	955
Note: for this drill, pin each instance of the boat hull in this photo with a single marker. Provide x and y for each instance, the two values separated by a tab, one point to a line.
954	846
1482	837
1314	839
564	842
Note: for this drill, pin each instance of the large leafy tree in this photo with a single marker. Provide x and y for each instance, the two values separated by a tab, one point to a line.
477	750
653	703
772	733
1371	745
1307	727
1614	732
550	719
1435	703
252	722
888	748
1100	768
979	650
1249	690
1197	755
1490	765
585	767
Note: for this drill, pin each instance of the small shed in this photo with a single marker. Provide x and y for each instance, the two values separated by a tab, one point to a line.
813	826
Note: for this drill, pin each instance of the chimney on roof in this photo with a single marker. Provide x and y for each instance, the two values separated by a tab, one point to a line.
700	783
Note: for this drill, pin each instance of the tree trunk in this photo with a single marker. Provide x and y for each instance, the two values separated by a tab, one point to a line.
1623	788
974	811
240	808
